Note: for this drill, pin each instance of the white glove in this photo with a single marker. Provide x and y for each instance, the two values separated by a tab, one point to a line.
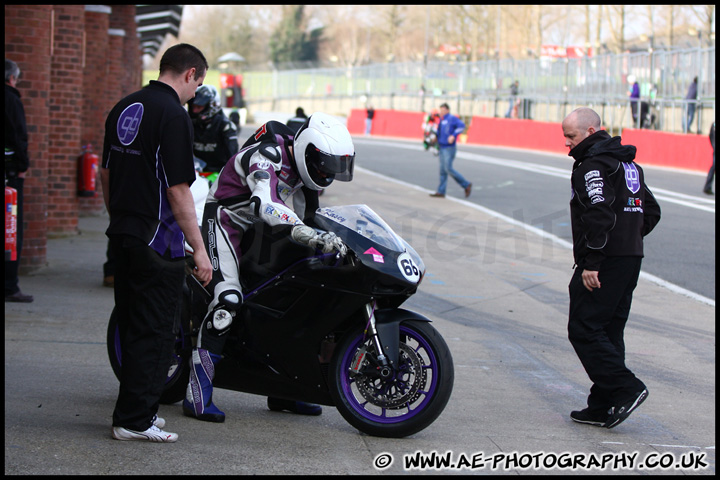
326	241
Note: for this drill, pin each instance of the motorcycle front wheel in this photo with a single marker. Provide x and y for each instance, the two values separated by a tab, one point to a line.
179	371
395	402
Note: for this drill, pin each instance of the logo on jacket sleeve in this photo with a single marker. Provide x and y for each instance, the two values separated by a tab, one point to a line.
632	177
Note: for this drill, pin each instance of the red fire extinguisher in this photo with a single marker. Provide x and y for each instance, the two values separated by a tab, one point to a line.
87	172
10	224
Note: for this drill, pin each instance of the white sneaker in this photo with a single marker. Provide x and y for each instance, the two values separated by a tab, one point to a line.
158	421
153	434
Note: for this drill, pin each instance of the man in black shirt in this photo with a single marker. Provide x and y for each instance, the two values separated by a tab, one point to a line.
147	169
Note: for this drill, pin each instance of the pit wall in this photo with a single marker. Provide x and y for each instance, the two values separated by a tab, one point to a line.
683	151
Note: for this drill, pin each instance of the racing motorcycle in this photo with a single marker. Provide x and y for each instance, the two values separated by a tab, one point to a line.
325	328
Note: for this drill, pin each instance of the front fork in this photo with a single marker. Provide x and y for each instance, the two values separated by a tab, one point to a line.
385	337
383	328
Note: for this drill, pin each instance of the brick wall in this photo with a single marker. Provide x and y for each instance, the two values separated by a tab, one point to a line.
129	60
27	43
95	76
65	113
76	63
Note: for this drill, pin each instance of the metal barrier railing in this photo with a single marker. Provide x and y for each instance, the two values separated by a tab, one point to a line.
548	88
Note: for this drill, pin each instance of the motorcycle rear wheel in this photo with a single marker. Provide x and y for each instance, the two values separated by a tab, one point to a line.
179	371
404	402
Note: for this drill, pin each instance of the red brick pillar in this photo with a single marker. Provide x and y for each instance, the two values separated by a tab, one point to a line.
28	41
123	18
95	75
66	102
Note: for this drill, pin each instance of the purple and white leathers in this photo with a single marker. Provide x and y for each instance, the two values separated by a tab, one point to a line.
276	178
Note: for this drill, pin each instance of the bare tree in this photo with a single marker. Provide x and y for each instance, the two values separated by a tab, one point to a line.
479	20
706	15
520	37
350	33
616	22
355	34
393	17
598	32
219	29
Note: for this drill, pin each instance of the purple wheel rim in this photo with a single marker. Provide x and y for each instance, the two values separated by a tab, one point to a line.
361	405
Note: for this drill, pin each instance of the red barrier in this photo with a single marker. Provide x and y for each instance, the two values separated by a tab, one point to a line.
509	132
356	121
391	123
690	152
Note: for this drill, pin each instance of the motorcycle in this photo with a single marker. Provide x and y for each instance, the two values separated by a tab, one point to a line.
430	139
325	328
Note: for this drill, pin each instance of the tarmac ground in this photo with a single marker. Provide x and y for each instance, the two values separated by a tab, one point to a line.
496	292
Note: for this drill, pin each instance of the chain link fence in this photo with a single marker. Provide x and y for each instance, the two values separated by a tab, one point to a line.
548	88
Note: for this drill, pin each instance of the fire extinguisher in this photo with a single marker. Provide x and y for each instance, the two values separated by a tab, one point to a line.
87	172
10	224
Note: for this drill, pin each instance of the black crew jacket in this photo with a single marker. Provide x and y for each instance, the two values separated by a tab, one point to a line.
215	141
611	208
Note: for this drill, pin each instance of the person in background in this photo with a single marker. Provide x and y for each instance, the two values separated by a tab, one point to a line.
634	94
448	131
690	100
711	173
147	170
369	119
611	211
298	120
514	90
430	129
215	135
16	165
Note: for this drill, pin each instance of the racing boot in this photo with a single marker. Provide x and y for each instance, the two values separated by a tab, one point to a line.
198	399
302	408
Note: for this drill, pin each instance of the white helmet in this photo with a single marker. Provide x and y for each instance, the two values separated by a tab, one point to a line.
323	151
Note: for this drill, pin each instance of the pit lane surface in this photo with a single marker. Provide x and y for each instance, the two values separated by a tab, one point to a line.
496	291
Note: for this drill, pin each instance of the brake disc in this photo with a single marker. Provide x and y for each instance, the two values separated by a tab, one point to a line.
398	390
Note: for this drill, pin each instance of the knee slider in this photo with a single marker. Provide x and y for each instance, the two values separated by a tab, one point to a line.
221	319
221	316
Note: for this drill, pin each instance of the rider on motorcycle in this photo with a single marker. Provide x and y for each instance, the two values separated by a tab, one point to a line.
273	170
430	128
215	135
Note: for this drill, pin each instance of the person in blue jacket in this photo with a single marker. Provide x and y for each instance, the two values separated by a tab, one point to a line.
448	131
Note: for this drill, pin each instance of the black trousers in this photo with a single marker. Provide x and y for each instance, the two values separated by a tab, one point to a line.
148	295
596	330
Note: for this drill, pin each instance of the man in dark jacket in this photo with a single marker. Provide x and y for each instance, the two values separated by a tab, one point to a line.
215	135
611	211
16	164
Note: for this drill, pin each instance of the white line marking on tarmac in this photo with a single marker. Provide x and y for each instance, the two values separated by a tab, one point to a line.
559	241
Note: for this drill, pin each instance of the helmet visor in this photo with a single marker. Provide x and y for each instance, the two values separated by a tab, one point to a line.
338	167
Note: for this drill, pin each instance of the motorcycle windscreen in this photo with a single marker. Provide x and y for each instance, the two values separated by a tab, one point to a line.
363	220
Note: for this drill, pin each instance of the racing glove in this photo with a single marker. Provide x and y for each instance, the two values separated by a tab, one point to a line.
326	241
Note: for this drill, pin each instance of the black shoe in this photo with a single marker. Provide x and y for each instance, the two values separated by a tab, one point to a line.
19	297
597	419
618	413
302	408
708	191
